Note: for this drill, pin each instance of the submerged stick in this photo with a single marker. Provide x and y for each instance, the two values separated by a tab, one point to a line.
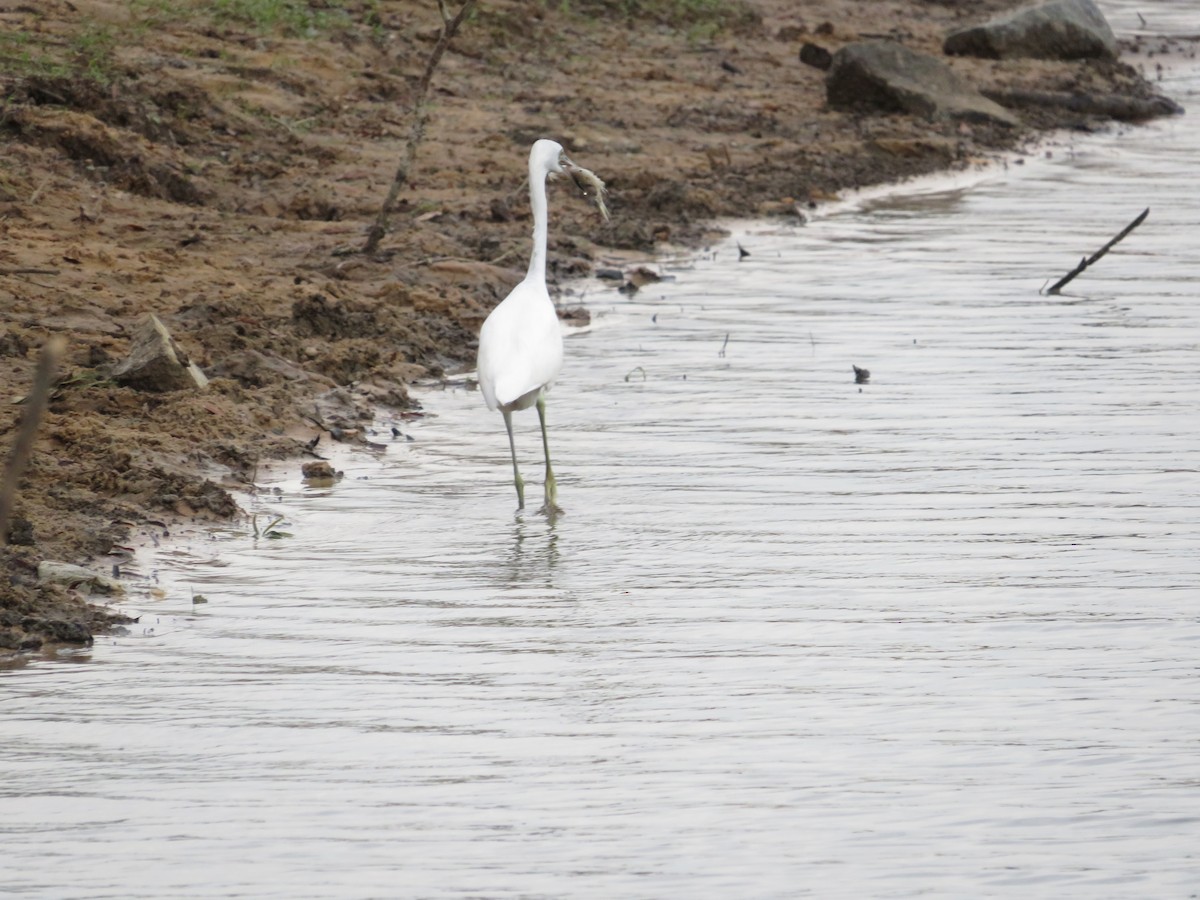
1087	261
35	406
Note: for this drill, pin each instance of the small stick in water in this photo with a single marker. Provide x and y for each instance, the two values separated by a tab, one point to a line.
1084	263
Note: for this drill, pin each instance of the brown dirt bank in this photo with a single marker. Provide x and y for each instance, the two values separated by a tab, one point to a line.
170	158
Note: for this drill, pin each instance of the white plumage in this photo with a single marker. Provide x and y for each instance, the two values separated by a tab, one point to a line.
521	345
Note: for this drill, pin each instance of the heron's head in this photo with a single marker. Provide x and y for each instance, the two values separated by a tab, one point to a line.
548	156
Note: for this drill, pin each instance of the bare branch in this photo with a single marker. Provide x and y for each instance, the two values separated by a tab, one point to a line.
35	406
420	116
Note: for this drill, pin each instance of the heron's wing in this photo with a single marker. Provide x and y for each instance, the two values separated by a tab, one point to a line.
520	346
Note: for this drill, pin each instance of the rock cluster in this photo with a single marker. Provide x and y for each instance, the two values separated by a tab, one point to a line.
885	76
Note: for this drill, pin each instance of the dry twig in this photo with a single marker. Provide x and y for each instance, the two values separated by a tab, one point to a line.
35	406
420	115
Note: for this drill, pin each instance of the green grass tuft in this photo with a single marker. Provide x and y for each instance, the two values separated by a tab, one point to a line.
295	17
699	18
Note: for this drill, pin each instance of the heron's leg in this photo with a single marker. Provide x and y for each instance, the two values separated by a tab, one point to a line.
512	446
551	484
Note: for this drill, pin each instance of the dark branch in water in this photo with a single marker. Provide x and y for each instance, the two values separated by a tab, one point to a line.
1087	261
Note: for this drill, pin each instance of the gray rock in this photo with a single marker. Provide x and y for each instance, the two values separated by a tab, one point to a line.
888	77
53	572
1060	29
1121	107
156	363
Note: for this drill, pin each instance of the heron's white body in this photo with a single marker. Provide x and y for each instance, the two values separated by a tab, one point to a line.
520	347
520	344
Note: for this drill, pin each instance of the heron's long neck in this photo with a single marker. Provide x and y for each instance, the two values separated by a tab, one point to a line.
537	201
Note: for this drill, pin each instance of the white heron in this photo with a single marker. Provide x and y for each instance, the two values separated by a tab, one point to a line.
521	344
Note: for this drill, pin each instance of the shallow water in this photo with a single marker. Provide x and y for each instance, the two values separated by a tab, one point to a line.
934	636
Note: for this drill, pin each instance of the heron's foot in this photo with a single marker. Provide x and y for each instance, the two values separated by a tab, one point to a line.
550	510
520	483
550	507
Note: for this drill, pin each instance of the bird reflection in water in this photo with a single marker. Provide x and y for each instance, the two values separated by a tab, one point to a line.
534	555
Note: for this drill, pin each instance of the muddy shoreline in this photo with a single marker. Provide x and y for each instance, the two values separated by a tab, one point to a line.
221	174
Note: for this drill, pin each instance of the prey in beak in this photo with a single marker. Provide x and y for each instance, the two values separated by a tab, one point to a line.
589	184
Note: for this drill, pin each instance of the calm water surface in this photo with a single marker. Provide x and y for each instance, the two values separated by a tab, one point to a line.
936	637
